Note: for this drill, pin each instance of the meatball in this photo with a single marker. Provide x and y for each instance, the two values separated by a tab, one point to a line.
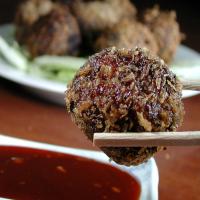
123	90
127	34
56	33
29	12
98	15
166	31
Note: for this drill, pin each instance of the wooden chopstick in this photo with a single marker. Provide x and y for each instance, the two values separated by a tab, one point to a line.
190	85
144	139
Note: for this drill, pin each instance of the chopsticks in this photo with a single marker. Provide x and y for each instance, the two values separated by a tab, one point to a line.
144	139
191	85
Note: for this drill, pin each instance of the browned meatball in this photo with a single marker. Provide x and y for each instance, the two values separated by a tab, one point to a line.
56	33
120	90
99	15
127	34
28	12
166	31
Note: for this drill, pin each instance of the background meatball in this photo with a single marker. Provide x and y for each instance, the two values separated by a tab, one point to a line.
28	12
127	34
99	15
56	33
119	90
166	31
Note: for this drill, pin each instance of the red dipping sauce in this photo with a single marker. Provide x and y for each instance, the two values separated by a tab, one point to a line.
38	174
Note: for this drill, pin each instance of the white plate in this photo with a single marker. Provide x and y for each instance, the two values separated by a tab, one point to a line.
54	91
146	173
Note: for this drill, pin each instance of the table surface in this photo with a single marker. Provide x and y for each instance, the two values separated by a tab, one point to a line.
26	116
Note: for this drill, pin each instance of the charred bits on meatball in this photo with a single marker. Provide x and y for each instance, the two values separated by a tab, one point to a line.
165	28
127	34
56	33
121	90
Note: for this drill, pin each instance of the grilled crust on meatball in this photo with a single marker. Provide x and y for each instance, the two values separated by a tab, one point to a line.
28	12
127	34
56	33
166	30
99	15
120	90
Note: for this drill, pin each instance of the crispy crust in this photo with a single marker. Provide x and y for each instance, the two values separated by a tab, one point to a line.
120	90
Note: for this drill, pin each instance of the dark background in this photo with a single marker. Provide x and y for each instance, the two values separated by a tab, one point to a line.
188	14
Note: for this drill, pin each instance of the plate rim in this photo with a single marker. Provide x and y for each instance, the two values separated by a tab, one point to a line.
41	84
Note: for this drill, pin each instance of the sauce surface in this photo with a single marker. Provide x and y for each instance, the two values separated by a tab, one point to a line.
27	173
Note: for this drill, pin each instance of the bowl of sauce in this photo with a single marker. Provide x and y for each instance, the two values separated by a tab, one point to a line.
27	173
32	170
